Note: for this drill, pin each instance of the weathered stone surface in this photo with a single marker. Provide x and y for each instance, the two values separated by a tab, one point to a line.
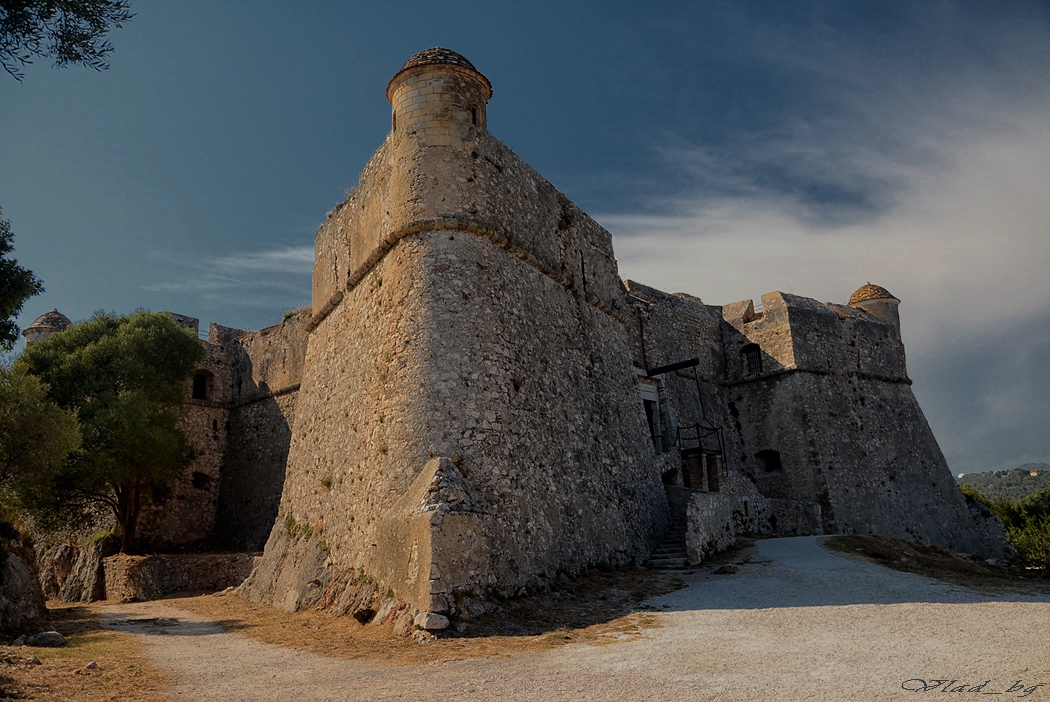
139	578
22	606
87	580
795	517
54	565
403	623
709	525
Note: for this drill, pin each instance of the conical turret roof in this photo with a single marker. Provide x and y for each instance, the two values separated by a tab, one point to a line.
871	292
438	56
53	320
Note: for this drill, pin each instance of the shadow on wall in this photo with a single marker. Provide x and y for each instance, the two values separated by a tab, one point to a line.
253	475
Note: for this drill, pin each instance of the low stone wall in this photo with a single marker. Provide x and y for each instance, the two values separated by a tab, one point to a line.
795	518
709	525
137	578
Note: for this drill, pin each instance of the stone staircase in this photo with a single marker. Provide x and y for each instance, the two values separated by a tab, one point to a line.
670	554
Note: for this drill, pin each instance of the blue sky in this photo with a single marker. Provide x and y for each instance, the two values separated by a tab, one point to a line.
732	148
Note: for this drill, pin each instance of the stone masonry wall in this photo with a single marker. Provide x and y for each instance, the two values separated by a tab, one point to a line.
481	321
267	370
834	402
186	515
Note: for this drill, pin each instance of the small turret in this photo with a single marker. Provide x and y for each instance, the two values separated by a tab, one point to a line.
44	326
879	303
439	97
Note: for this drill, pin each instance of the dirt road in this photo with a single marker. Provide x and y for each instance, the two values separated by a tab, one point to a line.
795	623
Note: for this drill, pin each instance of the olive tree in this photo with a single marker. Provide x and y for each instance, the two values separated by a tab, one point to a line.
126	378
69	31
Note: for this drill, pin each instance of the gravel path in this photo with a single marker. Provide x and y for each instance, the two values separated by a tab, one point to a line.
795	623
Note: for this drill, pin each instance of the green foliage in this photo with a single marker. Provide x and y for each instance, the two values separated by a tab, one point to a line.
1027	524
126	378
16	285
36	435
69	31
1015	484
294	529
975	494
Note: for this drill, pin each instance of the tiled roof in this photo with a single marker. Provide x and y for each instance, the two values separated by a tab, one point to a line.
870	292
437	55
52	320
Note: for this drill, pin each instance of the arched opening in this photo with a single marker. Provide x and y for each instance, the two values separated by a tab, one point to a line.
769	461
752	356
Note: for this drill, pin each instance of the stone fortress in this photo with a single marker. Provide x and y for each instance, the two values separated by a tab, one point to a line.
476	402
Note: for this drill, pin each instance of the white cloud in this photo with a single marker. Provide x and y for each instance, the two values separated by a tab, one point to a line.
947	207
966	242
268	279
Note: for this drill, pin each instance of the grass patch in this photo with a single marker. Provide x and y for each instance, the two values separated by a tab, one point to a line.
940	564
122	671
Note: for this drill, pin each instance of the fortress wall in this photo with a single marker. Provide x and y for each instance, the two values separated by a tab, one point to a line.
266	369
770	329
452	347
533	389
799	332
353	230
187	513
269	360
355	444
480	185
677	327
487	183
861	447
253	471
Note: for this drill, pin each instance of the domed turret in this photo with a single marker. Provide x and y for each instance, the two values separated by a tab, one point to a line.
44	326
439	97
877	301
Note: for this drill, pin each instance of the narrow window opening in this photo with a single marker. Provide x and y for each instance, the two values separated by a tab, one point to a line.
752	360
215	425
653	416
474	115
200	386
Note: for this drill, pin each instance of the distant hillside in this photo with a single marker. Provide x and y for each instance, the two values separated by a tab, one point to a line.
1015	484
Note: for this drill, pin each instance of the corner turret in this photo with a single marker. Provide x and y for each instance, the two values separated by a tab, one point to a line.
879	303
44	326
439	97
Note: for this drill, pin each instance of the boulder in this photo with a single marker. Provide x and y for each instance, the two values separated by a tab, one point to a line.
431	621
47	639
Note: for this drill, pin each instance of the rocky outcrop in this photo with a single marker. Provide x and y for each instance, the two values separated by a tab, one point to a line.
55	563
87	580
22	608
